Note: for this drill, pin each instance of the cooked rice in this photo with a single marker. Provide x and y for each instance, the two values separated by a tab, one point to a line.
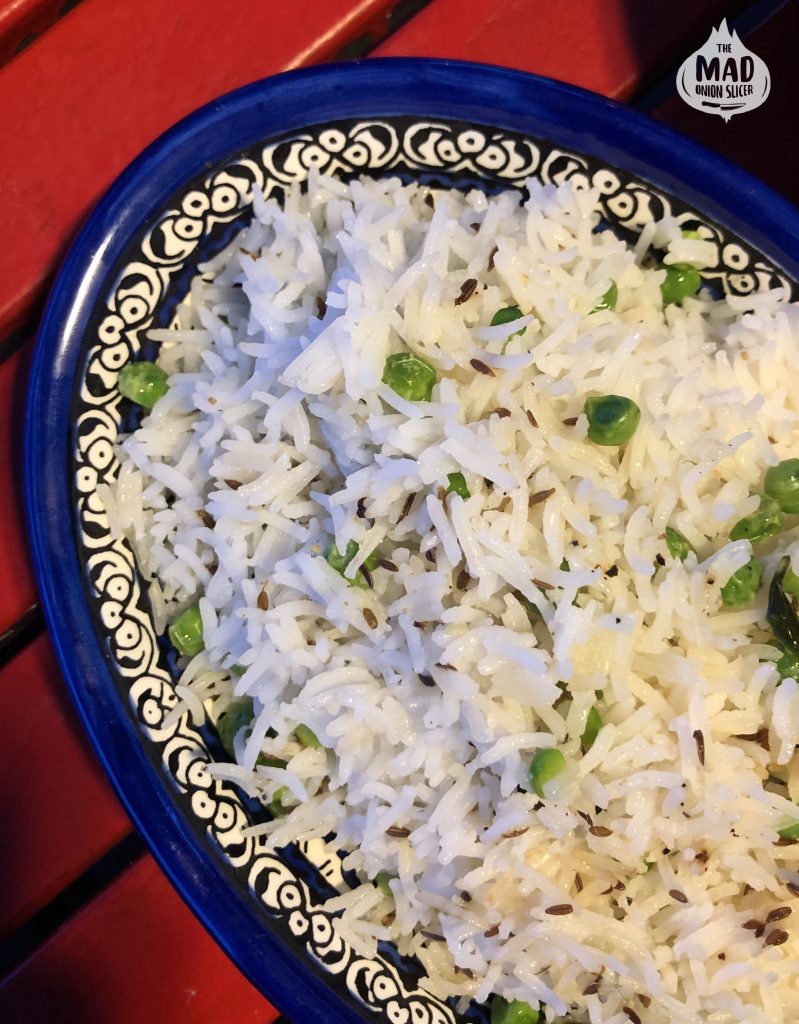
275	364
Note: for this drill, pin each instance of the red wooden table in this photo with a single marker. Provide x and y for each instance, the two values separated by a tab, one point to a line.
90	931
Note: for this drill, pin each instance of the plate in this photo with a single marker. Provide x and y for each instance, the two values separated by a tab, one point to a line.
439	122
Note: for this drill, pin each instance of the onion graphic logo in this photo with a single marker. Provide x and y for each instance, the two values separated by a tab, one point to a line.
723	77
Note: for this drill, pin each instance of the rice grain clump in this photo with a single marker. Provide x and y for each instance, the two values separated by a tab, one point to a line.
495	636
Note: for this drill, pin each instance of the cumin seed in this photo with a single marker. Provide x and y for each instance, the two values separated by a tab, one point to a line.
680	897
233	484
578	882
429	201
263	601
321	307
370	618
612	571
531	419
514	832
592	989
539	496
491	932
406	507
446	664
631	1014
387	564
786	842
778	914
426	680
646	1002
776	937
502	412
468	288
570	421
699	739
543	585
206	519
367	575
398	832
761	737
491	256
433	936
360	510
463	580
586	817
560	909
481	367
430	556
793	889
660	559
600	830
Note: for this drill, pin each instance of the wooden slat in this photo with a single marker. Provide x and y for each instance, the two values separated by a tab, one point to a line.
610	47
109	78
22	20
134	954
58	812
17	587
762	141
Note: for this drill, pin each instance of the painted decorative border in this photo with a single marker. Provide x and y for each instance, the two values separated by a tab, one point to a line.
164	258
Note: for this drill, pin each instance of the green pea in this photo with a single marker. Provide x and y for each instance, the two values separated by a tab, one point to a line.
764	522
592	726
790	582
457	485
307	737
790	831
608	300
340	562
678	546
545	766
682	280
782	484
383	880
742	586
515	1012
506	316
612	419
143	383
276	805
788	665
411	377
186	632
238	714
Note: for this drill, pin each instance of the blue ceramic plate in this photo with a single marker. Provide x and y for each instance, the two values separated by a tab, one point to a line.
438	121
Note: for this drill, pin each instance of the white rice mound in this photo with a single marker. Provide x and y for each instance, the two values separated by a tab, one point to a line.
432	690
